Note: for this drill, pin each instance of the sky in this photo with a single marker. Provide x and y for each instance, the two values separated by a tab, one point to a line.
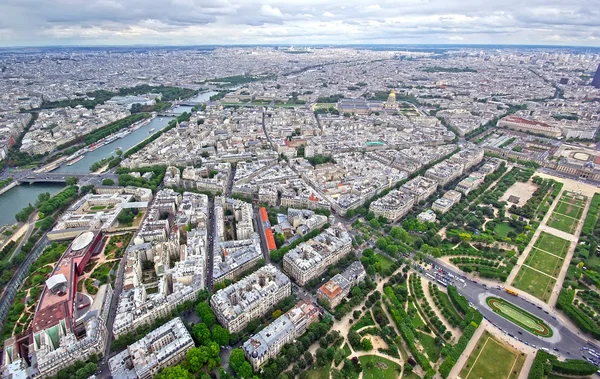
223	22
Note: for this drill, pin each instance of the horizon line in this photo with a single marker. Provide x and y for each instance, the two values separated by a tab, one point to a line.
440	44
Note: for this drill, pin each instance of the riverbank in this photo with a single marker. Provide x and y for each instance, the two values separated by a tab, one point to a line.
8	187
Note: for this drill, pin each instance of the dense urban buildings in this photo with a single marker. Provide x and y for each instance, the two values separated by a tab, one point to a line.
249	298
252	175
267	343
310	259
165	346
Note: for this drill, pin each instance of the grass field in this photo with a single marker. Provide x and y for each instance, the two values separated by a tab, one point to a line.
491	359
375	367
518	316
552	244
430	347
318	373
384	261
572	198
416	321
544	262
570	210
365	320
502	229
562	222
535	283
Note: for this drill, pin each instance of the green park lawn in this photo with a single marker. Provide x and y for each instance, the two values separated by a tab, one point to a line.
381	368
518	316
552	244
544	262
535	283
491	359
365	320
384	261
502	229
562	222
570	210
429	345
572	198
318	373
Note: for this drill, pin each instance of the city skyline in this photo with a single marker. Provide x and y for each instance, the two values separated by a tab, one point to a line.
177	22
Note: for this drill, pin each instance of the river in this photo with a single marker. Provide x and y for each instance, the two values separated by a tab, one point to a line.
17	198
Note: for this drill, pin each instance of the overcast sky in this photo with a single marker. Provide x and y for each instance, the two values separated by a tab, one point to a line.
201	22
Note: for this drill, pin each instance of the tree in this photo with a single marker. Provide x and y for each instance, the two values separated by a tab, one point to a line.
71	181
374	223
279	240
196	358
322	357
236	359
220	335
206	314
108	182
202	333
366	344
175	372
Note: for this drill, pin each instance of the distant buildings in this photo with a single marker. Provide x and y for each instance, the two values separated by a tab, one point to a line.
165	346
420	187
525	125
338	287
267	343
312	258
249	298
393	206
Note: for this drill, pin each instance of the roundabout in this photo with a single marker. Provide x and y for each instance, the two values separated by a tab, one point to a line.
520	317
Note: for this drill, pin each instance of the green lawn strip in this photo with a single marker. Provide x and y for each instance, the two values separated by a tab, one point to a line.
552	244
375	367
516	315
384	261
318	373
547	263
430	347
535	283
365	320
562	223
490	359
568	209
416	321
447	304
502	229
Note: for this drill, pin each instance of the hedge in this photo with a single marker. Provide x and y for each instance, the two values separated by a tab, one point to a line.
579	317
544	363
457	349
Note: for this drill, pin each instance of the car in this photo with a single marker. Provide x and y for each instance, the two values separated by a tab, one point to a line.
520	332
555	349
532	345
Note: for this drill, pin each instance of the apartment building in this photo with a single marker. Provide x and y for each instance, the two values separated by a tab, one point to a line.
338	287
163	347
420	187
312	258
267	343
393	206
251	297
445	172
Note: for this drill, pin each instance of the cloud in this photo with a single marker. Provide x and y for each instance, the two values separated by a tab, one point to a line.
47	22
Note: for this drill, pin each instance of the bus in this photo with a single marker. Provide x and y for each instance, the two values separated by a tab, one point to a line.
514	293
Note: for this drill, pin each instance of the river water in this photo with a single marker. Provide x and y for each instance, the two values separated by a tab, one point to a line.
17	198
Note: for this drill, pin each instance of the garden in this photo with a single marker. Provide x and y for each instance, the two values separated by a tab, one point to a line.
520	317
